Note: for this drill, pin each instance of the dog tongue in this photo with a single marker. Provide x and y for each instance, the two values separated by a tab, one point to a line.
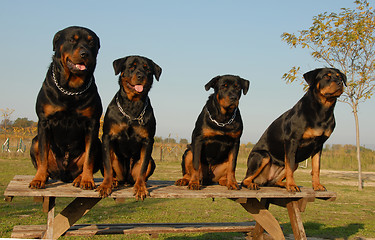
138	88
80	67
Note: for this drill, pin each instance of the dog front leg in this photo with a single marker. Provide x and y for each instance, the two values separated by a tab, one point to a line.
40	152
196	174
86	179
315	172
290	165
139	171
105	189
232	162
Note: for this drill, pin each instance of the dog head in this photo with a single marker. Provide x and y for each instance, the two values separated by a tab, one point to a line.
76	49
136	75
328	83
228	90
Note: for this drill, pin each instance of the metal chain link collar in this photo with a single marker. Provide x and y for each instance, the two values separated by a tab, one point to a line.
222	124
139	118
66	92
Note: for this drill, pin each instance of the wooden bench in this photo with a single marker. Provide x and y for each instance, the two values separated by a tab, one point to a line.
254	202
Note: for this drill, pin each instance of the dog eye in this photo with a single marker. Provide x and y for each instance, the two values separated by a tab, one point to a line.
146	68
133	66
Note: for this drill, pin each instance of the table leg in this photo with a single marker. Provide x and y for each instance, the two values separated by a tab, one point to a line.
71	214
296	220
50	203
263	217
259	230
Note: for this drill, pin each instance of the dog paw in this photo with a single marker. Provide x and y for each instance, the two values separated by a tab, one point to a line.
37	184
319	187
233	186
85	184
251	186
292	188
140	191
77	181
194	186
182	182
104	190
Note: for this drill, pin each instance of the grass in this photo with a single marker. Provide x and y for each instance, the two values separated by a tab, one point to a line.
351	216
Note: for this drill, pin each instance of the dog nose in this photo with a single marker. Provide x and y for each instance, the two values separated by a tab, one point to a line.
233	98
83	53
140	75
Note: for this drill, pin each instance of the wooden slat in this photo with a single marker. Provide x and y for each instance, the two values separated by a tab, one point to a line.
296	220
71	214
158	189
263	217
36	231
50	219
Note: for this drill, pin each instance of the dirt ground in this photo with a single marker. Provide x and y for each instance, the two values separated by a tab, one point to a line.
349	178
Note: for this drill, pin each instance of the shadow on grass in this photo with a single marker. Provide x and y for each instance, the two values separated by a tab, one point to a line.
314	229
208	236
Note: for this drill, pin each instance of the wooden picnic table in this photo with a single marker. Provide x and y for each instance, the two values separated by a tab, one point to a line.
254	202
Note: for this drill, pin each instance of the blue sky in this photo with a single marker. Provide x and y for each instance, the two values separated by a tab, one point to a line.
193	41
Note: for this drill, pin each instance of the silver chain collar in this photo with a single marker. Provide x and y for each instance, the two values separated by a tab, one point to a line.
66	92
139	118
222	124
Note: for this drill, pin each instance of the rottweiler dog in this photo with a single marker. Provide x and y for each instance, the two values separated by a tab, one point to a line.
129	127
212	155
297	134
68	106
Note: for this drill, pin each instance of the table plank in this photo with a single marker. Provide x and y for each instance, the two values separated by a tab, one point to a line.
157	189
36	231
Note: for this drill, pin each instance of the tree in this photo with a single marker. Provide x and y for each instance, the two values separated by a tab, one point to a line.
184	141
5	114
345	41
23	123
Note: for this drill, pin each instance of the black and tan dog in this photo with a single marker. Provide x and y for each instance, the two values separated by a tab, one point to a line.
68	106
297	135
212	155
129	127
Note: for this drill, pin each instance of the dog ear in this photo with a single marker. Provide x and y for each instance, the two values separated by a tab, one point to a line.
212	83
157	70
310	77
245	84
118	65
56	38
343	76
97	39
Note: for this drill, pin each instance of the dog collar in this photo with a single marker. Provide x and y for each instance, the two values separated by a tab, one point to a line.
222	124
139	118
66	92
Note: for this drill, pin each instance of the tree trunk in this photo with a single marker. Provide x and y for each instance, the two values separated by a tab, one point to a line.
360	186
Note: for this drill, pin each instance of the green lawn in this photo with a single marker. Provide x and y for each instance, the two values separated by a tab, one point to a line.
351	216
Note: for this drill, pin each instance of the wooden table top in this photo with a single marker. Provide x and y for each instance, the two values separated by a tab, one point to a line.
18	186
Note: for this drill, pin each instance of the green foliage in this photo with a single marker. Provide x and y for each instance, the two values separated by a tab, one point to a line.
344	40
23	123
184	141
